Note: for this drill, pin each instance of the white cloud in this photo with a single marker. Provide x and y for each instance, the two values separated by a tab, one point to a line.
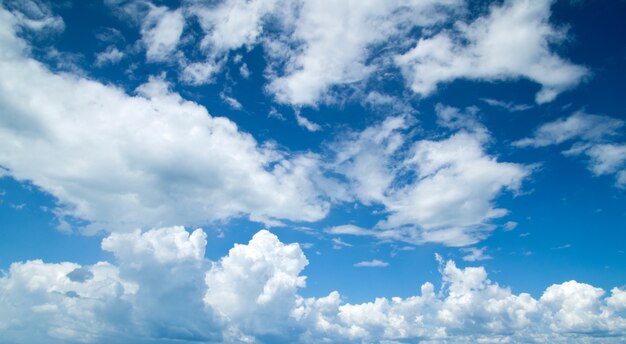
512	41
590	134
199	73
608	159
306	123
232	102
333	42
475	254
371	264
125	161
510	225
509	106
338	244
579	126
255	286
452	182
163	290
35	15
470	308
311	45
160	32
453	118
244	71
111	55
164	245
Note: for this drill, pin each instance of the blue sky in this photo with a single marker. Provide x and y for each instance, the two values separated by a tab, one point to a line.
275	171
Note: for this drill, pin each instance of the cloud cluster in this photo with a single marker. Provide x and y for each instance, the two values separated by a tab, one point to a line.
124	161
432	190
162	289
592	136
313	46
512	41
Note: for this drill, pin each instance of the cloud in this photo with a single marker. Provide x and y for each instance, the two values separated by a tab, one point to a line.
475	254
111	55
306	123
455	119
432	190
579	126
252	295
333	42
232	102
311	46
255	286
123	161
36	16
608	159
509	106
591	135
510	225
371	264
161	31
511	42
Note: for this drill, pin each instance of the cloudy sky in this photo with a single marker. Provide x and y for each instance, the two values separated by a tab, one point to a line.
312	171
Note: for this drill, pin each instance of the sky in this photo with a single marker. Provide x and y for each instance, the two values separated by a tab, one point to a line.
312	171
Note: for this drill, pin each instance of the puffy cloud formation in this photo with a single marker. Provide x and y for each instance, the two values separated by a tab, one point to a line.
432	190
161	31
123	161
163	290
312	46
512	41
255	286
592	135
334	40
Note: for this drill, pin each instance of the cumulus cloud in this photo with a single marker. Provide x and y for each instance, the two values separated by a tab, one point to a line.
432	190
255	286
251	295
161	31
591	136
123	161
511	42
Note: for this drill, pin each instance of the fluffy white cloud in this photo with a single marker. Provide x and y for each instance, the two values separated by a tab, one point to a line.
311	45
161	31
165	245
255	286
433	191
335	40
512	41
124	161
590	134
163	290
470	308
